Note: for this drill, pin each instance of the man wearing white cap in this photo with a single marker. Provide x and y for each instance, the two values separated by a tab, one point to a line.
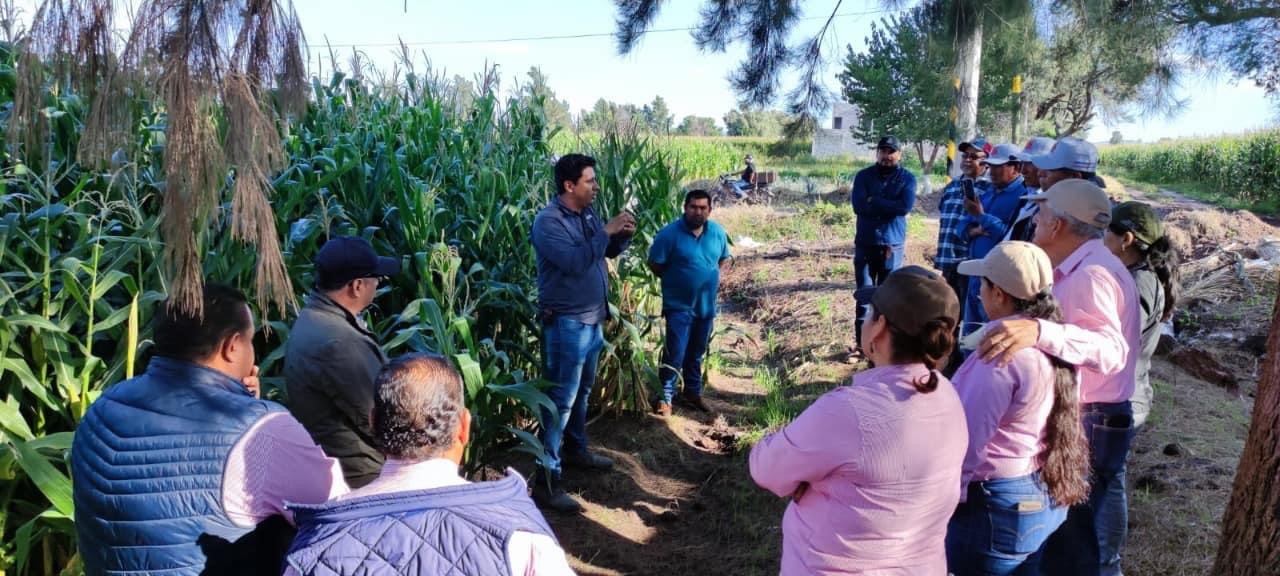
1100	334
1022	228
989	217
1068	158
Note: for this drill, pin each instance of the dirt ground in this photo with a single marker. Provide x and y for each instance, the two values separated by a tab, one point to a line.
681	500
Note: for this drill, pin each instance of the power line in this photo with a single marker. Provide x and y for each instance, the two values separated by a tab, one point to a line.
555	37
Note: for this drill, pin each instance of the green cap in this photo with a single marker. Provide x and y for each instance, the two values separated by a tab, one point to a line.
1138	218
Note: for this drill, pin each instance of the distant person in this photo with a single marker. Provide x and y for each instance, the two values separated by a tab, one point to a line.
571	243
331	357
687	255
1100	336
882	196
747	181
1022	228
420	517
1136	236
953	244
1028	459
182	470
988	217
873	468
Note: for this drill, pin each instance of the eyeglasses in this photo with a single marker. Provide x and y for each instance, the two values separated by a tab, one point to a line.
975	157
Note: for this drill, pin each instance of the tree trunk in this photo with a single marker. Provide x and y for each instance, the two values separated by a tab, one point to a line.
969	71
1250	542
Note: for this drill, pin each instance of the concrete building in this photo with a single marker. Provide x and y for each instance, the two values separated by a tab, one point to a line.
834	139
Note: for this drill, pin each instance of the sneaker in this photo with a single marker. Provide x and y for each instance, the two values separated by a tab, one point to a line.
663	409
695	402
553	497
589	461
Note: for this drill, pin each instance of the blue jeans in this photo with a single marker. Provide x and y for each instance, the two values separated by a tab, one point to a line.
570	353
686	343
1096	531
974	315
1001	528
871	265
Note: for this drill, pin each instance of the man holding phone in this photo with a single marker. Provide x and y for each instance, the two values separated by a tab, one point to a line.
988	216
953	244
571	243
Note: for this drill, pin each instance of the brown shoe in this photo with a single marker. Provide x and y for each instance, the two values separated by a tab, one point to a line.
663	409
695	402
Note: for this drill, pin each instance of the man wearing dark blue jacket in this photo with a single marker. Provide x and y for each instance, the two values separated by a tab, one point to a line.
882	196
571	242
988	220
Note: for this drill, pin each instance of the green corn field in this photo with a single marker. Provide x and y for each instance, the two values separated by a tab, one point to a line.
1240	170
450	188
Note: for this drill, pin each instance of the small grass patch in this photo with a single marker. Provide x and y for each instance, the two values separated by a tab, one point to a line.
1198	190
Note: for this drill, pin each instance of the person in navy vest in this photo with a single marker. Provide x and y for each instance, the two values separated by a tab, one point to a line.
686	255
419	517
183	470
571	243
882	195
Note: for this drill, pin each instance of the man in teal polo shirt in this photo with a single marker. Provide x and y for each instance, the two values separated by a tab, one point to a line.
687	255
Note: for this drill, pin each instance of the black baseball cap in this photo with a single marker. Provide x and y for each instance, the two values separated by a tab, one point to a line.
346	258
889	142
911	297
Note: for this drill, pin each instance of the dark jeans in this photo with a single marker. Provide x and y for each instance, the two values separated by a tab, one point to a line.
1001	527
1093	535
959	284
686	344
973	315
570	353
871	265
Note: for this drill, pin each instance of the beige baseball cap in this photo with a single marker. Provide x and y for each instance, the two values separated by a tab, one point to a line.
1082	199
1020	268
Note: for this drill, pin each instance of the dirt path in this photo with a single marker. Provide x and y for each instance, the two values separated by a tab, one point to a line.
681	500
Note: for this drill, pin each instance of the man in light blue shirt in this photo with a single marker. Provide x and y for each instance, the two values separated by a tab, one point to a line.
687	255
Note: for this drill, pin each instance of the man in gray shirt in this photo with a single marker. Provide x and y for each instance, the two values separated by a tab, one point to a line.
573	281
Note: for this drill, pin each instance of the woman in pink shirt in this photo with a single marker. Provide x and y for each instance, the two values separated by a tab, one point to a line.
1028	459
873	468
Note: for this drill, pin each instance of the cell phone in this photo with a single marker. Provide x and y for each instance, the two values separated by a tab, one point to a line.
967	185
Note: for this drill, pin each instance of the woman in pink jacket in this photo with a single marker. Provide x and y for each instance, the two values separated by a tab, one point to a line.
1028	460
873	468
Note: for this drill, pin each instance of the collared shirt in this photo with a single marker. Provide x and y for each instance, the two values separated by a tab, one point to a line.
882	462
691	266
528	554
953	242
1100	306
274	462
1007	409
999	207
1151	297
573	279
881	201
1024	225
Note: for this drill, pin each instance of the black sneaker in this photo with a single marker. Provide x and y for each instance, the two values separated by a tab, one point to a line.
588	461
550	496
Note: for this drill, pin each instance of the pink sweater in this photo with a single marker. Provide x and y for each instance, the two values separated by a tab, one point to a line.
882	462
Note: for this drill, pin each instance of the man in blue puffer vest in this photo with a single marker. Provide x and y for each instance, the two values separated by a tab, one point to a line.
419	517
183	470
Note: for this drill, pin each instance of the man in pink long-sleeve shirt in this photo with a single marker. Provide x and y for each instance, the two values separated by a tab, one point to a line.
874	467
1100	304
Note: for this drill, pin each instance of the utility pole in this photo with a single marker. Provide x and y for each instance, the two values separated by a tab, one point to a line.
1017	104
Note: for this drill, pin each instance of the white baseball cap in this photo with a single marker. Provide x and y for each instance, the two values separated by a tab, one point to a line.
1070	154
1082	199
1035	147
1004	154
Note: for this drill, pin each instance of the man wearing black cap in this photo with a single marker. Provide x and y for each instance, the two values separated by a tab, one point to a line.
332	359
882	196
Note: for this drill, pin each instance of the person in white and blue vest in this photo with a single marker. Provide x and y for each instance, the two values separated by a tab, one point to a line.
420	517
882	196
571	242
183	470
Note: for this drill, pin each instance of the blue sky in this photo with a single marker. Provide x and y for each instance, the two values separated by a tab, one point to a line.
582	70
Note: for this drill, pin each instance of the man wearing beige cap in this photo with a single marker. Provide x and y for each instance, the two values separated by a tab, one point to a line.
1100	335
